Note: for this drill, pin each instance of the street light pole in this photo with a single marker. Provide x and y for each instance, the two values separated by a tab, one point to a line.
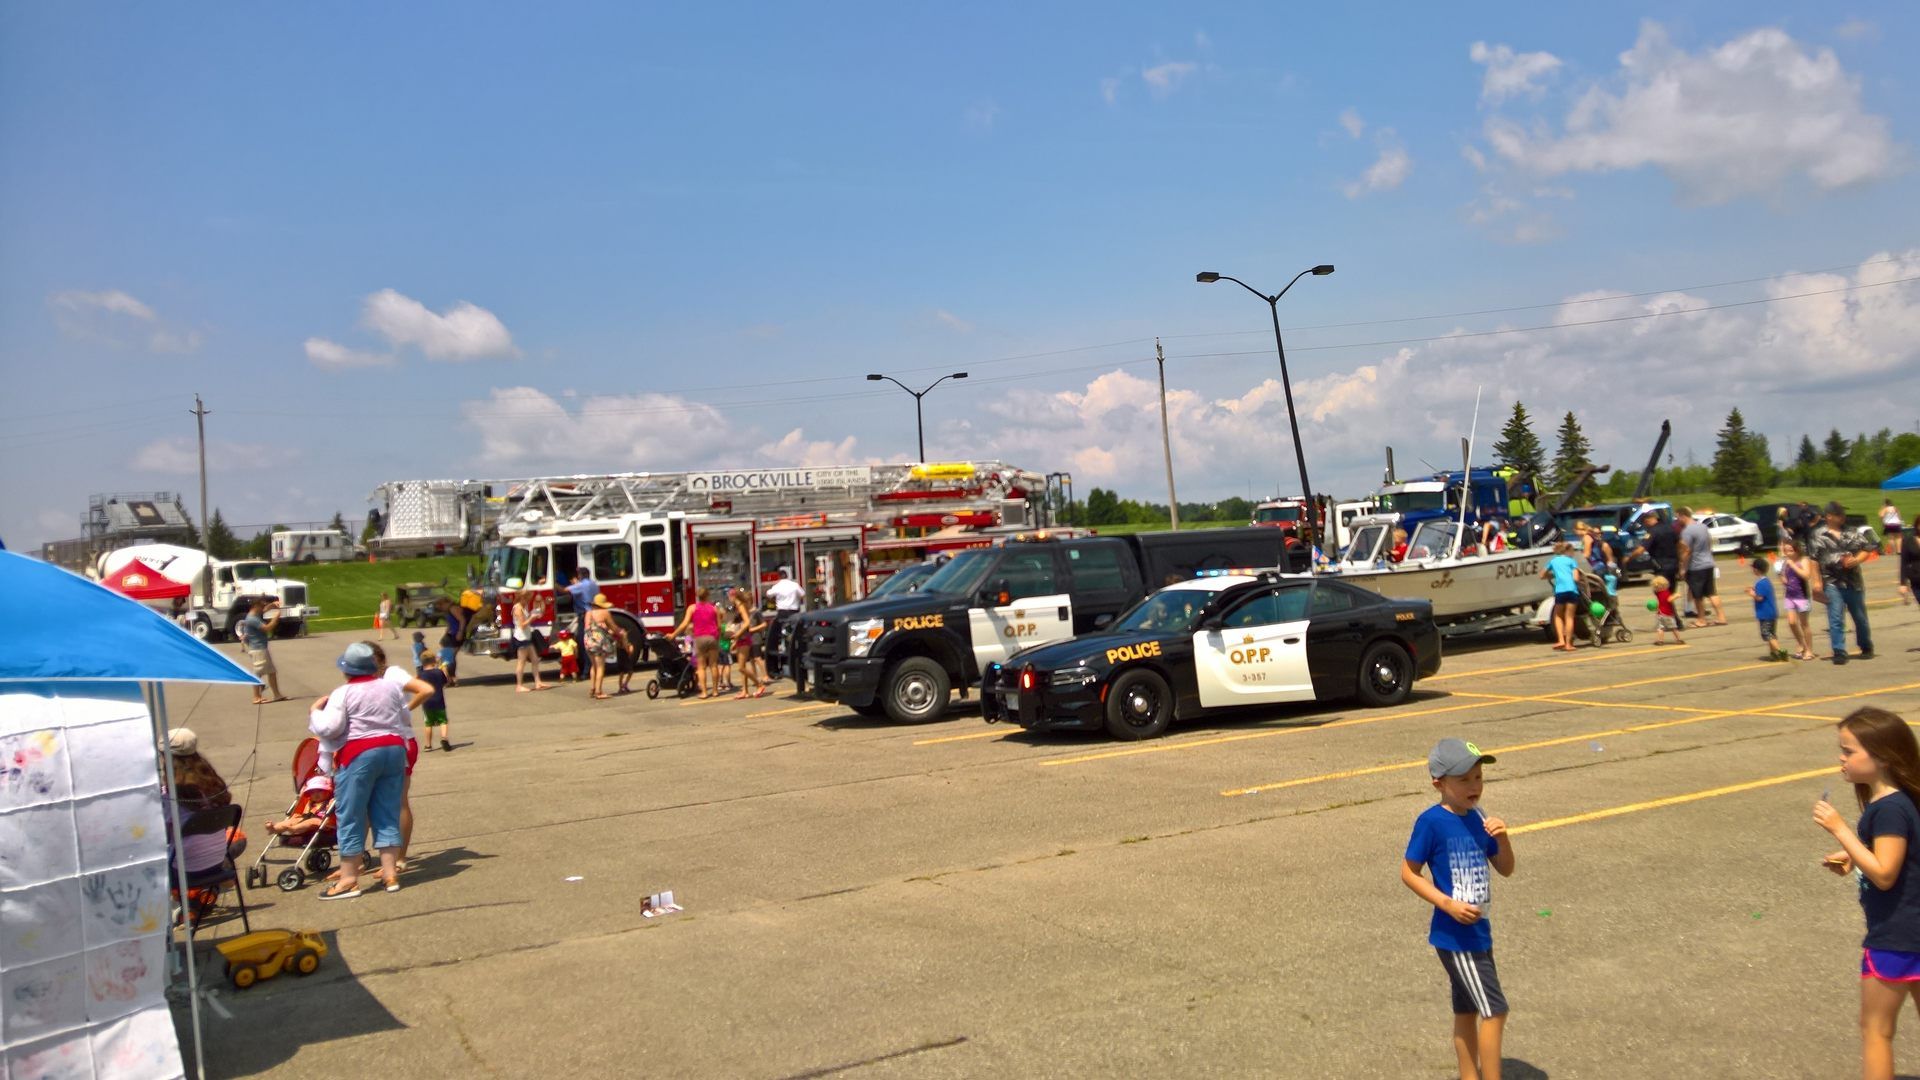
918	422
1166	443
1286	384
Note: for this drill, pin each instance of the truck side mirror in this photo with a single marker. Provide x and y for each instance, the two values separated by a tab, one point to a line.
1006	594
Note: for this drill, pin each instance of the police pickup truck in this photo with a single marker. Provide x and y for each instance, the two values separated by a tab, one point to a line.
900	656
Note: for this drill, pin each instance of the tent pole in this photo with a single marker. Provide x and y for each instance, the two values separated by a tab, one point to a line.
156	697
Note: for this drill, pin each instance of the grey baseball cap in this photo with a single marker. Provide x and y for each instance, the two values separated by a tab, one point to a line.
1455	757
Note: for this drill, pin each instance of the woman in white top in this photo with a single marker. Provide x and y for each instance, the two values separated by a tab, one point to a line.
523	650
1890	527
369	721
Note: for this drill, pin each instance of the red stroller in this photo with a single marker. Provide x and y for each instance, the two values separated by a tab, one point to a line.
313	800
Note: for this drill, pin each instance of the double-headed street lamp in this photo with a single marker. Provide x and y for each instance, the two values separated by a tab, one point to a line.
918	422
1286	385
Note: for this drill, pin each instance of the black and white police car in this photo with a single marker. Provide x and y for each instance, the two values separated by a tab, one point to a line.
1219	641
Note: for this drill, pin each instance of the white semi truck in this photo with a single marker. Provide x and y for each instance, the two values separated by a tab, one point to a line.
235	583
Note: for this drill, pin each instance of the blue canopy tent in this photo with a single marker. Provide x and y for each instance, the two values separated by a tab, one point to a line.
103	647
1906	481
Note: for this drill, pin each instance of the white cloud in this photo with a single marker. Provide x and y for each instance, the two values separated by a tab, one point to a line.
464	331
522	428
980	116
952	322
795	449
1512	219
1201	41
1350	119
1857	30
180	456
1788	366
1751	116
112	301
1110	90
333	356
1163	79
115	318
1388	171
1511	74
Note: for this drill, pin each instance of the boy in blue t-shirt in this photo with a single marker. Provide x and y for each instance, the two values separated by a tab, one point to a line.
1764	609
1457	843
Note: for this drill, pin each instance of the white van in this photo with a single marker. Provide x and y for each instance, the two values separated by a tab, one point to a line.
324	545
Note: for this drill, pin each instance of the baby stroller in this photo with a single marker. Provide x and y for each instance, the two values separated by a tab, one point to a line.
1599	618
312	795
673	670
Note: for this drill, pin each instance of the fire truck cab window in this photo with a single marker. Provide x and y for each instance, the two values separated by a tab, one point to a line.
566	563
538	575
612	562
1028	573
653	558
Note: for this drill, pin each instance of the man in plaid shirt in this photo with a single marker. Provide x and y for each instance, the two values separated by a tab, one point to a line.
1840	553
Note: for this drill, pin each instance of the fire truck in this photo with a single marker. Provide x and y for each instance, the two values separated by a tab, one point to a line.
651	541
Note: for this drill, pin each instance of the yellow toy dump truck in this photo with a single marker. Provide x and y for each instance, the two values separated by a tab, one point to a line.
266	953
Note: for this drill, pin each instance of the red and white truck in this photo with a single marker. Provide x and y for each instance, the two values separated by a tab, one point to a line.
651	541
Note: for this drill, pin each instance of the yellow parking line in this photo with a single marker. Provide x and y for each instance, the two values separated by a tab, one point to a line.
1630	729
1591	704
1355	721
1671	800
1190	744
963	738
810	706
1621	654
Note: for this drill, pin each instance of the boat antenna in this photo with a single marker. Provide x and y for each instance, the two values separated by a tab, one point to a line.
1466	474
1431	465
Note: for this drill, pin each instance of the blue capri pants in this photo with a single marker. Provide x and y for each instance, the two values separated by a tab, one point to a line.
369	792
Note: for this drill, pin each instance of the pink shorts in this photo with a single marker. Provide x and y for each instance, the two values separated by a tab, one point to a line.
1801	604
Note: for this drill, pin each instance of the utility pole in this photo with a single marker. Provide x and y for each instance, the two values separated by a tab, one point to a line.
1166	442
200	420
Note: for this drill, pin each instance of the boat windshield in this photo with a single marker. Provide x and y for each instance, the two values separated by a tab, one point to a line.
1169	611
1432	540
1364	545
1402	502
963	575
1267	515
1604	520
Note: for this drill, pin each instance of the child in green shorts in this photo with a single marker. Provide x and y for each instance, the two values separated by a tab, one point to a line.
435	707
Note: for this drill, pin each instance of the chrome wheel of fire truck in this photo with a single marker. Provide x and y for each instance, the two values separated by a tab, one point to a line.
916	690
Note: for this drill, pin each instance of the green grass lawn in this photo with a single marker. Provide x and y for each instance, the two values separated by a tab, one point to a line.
1864	501
349	593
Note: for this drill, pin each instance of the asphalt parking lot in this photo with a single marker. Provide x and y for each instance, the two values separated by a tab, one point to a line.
959	899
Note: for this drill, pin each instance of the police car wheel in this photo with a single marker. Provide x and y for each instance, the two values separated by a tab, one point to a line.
1139	705
916	691
1386	675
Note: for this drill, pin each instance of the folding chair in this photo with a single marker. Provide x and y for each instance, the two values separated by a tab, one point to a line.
217	819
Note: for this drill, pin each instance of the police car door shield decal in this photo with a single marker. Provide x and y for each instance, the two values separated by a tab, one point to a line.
1251	665
999	632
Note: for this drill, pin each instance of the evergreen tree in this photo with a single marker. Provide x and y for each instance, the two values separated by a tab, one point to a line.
1518	446
339	522
221	543
1736	464
1574	454
1807	455
1835	449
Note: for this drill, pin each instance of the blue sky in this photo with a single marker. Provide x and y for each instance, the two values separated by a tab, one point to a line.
464	240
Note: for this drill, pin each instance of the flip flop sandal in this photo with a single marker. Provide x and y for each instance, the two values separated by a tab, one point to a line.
333	894
391	884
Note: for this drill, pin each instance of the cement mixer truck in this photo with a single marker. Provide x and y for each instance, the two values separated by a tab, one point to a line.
216	616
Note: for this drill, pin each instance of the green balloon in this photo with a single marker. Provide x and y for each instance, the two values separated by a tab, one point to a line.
1599	610
1653	605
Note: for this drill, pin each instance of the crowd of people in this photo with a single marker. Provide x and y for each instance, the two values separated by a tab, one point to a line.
1819	561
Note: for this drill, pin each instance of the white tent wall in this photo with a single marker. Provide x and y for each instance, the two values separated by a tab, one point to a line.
84	895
